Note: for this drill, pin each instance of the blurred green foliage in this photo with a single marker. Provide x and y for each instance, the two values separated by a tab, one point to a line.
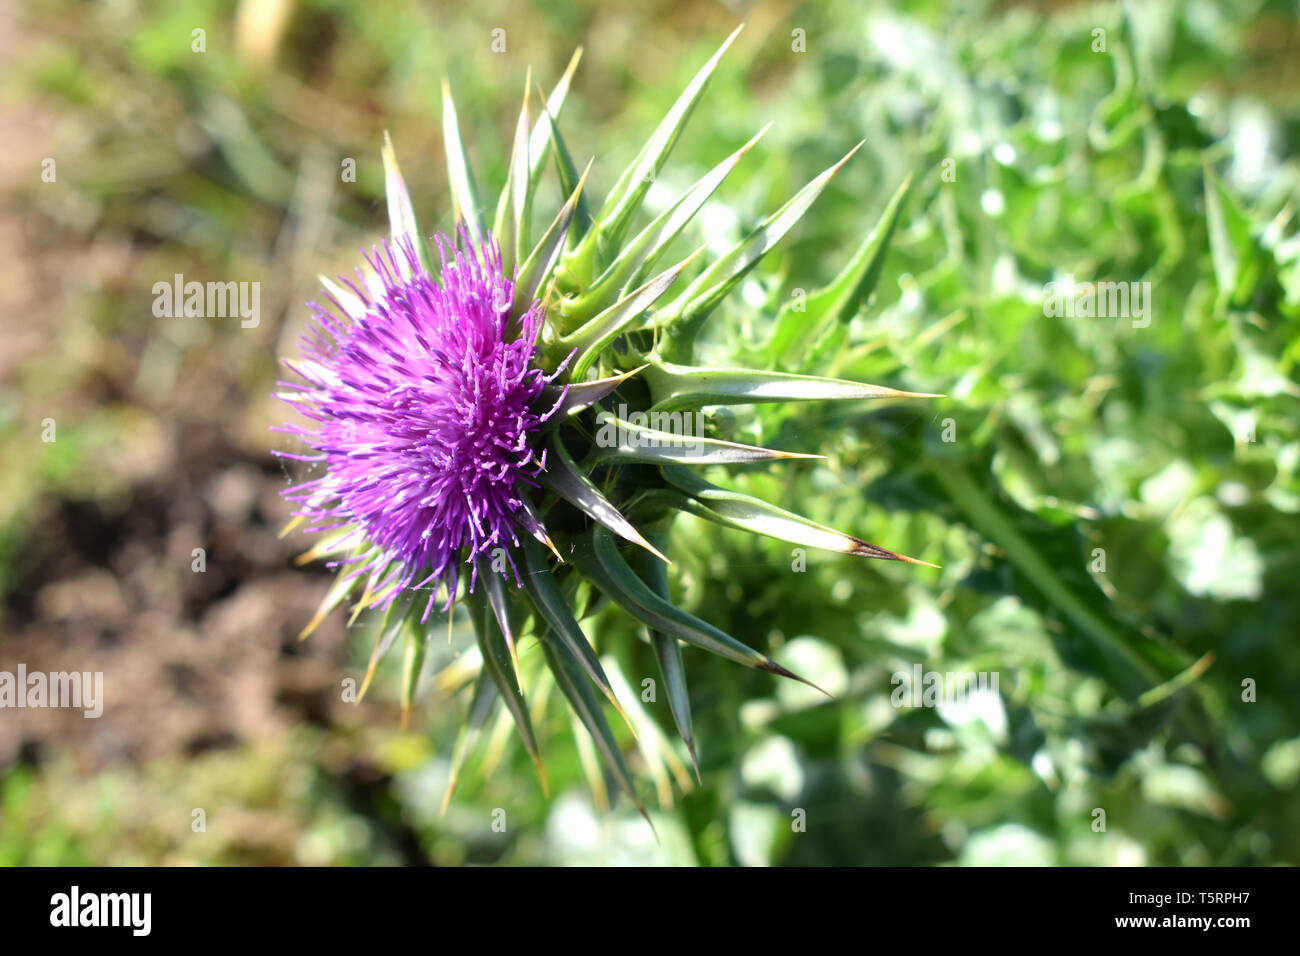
1170	450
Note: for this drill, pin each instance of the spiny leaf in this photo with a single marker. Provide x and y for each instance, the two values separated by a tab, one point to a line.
841	299
499	602
742	511
568	174
511	224
539	143
331	545
500	734
481	704
385	636
412	663
674	387
534	271
500	666
562	477
590	761
368	592
530	521
591	339
681	319
401	214
637	258
658	753
345	299
620	440
464	195
626	196
601	562
1135	662
521	187
571	399
550	603
337	594
668	652
572	680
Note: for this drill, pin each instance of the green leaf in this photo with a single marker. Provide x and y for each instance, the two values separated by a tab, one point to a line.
737	510
1234	251
562	477
844	296
682	319
674	387
620	440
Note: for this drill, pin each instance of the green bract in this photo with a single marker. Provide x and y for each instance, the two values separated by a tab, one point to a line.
626	323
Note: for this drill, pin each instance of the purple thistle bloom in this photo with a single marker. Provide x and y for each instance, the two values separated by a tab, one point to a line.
424	408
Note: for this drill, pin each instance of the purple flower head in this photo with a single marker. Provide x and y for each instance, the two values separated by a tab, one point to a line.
423	408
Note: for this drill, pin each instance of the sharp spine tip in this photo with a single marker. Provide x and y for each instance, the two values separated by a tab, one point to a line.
772	667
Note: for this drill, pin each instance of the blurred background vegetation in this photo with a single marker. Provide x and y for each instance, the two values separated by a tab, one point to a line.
1170	450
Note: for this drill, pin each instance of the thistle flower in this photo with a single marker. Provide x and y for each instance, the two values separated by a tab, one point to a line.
424	409
451	415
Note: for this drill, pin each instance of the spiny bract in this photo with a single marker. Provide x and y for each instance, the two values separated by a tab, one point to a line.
453	411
